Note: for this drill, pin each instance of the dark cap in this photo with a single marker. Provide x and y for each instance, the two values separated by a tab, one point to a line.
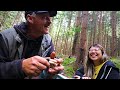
52	13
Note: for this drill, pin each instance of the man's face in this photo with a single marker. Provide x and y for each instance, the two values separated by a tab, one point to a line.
41	23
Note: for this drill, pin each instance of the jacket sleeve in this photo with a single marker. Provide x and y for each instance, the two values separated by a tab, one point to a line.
9	68
80	71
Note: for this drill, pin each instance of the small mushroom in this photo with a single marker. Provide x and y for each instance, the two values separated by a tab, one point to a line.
53	63
53	55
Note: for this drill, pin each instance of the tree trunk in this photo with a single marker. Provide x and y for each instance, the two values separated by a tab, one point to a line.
76	36
83	40
114	36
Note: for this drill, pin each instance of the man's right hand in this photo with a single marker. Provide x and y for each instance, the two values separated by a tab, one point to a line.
34	66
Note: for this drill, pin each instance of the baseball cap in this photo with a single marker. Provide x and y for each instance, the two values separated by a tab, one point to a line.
52	13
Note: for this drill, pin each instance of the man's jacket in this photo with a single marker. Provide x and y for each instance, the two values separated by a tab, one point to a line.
12	45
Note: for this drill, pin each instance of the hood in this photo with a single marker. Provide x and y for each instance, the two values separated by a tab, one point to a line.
111	64
22	29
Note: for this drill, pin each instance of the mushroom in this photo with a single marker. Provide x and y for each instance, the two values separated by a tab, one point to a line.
53	63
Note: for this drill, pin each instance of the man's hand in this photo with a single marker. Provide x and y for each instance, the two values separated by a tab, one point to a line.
34	66
57	66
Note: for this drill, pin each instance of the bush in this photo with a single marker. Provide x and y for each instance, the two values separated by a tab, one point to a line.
116	62
68	61
68	66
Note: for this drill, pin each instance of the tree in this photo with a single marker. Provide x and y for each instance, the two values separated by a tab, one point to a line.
83	40
77	34
114	37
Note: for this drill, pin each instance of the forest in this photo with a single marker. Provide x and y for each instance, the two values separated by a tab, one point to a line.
73	32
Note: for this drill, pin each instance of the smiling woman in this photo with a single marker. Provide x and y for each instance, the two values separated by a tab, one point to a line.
97	65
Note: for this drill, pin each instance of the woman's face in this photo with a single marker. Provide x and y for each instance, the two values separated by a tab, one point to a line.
95	53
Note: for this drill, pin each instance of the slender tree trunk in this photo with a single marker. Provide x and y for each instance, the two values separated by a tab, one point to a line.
68	28
76	36
83	40
100	29
114	36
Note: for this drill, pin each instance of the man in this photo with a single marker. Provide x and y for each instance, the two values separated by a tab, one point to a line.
24	47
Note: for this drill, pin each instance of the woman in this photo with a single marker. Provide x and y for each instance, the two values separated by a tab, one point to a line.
97	65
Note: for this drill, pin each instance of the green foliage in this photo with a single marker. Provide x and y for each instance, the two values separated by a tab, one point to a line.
116	62
68	66
7	18
10	19
68	61
70	33
69	71
76	29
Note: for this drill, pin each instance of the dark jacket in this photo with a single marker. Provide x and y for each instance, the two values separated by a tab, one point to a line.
15	46
107	71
